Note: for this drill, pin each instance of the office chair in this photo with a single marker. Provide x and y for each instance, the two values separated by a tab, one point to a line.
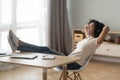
75	73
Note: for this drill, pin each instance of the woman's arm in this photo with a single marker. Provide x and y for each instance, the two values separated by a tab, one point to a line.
103	34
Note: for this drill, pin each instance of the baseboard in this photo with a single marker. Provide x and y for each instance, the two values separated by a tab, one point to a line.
106	58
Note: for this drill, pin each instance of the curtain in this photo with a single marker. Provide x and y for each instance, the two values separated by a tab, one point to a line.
27	18
60	38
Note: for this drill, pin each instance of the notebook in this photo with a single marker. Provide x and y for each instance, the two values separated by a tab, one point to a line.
24	56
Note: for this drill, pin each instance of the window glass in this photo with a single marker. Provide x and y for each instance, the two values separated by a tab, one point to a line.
5	12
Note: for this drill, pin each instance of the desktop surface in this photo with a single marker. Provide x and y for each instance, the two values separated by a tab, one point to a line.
39	62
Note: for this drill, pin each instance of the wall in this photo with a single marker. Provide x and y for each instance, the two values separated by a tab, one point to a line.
106	11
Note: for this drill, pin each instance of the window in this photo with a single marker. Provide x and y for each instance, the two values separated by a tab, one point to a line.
27	18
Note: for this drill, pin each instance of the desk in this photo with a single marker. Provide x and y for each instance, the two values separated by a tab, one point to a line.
44	64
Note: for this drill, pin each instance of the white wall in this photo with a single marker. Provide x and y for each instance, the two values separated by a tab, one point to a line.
107	11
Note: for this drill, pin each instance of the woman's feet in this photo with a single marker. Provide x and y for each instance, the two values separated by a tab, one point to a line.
13	40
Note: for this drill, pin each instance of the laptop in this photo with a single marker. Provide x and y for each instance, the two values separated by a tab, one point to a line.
24	56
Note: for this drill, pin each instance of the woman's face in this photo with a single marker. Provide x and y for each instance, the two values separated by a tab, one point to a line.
91	28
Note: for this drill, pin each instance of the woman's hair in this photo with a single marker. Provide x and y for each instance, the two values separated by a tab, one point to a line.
98	27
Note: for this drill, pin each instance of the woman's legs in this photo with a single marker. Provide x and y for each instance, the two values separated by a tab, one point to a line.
26	47
17	44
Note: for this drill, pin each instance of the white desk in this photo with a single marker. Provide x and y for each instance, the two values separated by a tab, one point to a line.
44	64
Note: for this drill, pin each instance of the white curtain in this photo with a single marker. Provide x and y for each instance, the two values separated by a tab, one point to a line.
27	18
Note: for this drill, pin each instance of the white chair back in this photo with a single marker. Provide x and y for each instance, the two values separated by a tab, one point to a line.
84	66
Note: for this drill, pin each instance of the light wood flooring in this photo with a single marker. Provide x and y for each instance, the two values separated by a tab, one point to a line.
96	70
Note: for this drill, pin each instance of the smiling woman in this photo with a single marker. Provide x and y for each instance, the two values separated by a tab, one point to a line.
26	18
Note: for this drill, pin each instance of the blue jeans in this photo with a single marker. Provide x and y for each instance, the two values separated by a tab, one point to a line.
71	66
26	47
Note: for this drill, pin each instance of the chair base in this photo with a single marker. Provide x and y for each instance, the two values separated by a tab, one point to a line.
72	76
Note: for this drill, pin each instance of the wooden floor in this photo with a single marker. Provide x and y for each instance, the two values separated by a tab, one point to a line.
96	70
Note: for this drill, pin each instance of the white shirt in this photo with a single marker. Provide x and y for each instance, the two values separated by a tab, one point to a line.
85	48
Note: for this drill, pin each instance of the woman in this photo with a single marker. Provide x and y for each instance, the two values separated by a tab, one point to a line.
95	32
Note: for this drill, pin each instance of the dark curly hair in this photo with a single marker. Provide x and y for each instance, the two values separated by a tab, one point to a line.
98	27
